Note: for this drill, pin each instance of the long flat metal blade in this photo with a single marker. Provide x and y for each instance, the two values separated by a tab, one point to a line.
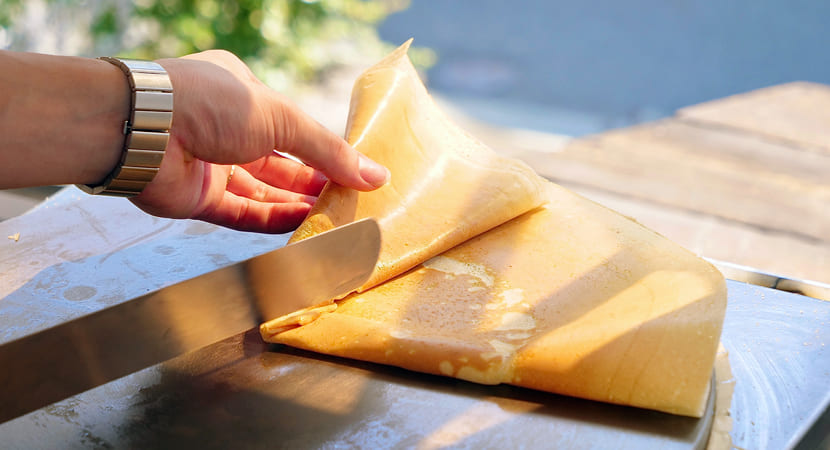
315	270
58	362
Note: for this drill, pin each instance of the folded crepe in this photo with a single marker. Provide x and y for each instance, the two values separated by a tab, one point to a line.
446	186
569	297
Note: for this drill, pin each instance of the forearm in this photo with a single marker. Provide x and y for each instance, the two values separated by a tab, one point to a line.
61	119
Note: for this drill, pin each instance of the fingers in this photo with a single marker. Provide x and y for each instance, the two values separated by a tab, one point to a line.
245	184
244	214
302	136
251	203
288	174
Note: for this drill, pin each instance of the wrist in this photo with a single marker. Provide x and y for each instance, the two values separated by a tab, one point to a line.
146	130
105	126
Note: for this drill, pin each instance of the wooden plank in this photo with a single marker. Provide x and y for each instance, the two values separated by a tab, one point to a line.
798	113
725	240
719	173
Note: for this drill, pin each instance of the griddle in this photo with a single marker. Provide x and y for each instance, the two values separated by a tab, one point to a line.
241	392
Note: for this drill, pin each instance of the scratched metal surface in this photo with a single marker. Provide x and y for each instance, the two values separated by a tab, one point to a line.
778	348
242	391
78	254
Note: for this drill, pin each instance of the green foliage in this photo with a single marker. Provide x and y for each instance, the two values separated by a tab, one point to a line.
106	23
9	9
284	41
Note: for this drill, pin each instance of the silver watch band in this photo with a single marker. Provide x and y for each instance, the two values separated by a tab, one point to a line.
146	131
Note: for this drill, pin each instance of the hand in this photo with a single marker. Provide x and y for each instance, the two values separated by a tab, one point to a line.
224	116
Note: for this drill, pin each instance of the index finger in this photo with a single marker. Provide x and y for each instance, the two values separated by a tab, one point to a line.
300	135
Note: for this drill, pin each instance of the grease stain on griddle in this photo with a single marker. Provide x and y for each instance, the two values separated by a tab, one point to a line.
79	293
219	260
164	250
199	228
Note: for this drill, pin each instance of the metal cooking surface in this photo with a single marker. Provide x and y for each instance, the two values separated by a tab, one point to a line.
243	392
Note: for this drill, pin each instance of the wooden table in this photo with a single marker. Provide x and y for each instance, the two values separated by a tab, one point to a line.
744	179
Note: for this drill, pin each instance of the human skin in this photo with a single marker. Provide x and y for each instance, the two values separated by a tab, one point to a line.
61	122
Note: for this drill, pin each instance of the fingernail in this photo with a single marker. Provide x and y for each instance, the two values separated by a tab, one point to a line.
320	178
372	172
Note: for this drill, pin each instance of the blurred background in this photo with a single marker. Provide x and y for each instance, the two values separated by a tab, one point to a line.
564	67
286	42
537	80
578	67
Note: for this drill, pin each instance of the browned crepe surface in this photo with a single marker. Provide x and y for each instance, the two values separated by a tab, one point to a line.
446	187
569	297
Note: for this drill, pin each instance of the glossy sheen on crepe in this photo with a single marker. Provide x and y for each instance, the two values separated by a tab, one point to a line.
570	298
446	187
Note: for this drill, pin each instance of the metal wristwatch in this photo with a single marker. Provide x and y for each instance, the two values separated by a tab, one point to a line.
146	131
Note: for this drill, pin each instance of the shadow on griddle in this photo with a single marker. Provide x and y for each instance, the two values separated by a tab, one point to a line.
244	393
528	405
